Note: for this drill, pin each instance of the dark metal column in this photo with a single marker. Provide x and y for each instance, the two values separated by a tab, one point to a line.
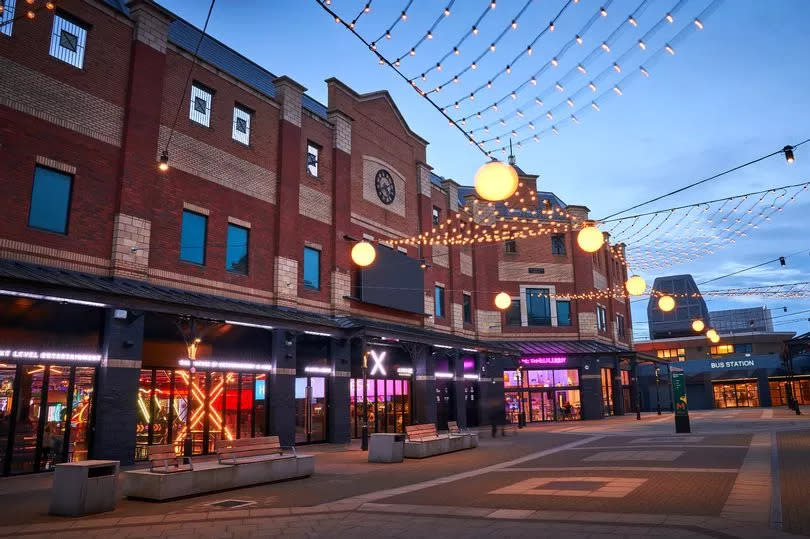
338	393
281	386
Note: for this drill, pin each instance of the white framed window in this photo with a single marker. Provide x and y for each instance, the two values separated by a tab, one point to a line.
601	318
68	40
6	16
241	124
313	155
200	104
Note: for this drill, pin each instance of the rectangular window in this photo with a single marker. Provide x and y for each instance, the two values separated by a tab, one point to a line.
236	250
557	244
601	318
744	348
200	104
563	313
313	153
722	349
620	325
312	268
513	314
241	124
50	200
467	308
538	307
68	40
509	246
6	16
192	237
672	353
438	306
436	215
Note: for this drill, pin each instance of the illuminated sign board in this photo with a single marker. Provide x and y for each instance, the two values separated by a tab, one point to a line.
543	360
227	365
732	364
50	356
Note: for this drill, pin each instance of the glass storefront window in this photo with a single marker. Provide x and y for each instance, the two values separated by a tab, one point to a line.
389	405
566	377
779	391
736	395
26	433
607	391
7	375
540	378
511	379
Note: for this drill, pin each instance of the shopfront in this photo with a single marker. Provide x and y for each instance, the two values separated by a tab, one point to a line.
544	388
782	386
385	401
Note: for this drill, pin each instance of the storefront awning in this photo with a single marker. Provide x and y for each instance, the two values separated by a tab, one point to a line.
568	348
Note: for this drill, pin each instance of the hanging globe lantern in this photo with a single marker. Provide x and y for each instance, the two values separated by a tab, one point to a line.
363	254
496	181
503	301
715	338
590	239
698	325
712	335
635	285
666	303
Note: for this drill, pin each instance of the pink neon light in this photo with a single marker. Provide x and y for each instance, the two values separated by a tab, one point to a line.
543	360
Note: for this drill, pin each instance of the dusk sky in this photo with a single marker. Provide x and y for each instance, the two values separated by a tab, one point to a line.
732	92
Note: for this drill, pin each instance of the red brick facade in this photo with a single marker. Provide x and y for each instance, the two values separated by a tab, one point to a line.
111	119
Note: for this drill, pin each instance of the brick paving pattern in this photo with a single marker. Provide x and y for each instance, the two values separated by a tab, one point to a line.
794	476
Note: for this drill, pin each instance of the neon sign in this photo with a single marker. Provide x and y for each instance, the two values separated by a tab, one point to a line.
378	363
543	360
228	365
52	356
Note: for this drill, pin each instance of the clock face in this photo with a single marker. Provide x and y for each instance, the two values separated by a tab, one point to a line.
385	186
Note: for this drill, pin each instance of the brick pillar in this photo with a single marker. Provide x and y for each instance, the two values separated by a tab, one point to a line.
289	251
281	386
115	413
138	176
341	209
583	282
338	392
424	386
425	220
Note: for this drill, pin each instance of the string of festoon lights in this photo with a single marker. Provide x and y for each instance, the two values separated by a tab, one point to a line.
590	96
9	13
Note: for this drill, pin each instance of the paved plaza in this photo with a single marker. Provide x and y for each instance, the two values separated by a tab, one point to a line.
741	473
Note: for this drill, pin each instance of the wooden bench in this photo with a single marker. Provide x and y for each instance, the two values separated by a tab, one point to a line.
163	459
247	450
453	428
421	433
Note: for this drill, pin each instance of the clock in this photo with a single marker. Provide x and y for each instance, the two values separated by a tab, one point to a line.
384	184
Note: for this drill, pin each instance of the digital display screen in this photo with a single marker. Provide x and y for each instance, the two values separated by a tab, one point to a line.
394	280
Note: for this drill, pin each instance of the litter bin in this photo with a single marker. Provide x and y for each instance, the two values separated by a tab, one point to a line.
83	488
385	447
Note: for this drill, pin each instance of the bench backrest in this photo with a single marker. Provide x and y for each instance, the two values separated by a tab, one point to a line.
452	427
427	430
163	454
249	447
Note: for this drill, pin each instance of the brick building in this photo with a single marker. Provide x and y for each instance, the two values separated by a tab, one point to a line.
116	278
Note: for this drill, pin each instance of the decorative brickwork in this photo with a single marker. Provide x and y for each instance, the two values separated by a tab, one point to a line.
519	271
458	316
315	204
488	321
441	255
151	26
466	264
371	166
56	165
587	324
208	286
38	254
599	280
54	101
375	226
215	165
452	193
429	310
286	272
289	93
341	287
130	246
342	139
423	185
196	209
238	222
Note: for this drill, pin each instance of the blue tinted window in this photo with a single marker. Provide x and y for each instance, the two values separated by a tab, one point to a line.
192	237
236	250
50	200
312	268
563	313
513	314
439	304
538	307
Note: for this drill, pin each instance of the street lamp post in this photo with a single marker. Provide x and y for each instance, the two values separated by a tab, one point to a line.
364	431
658	388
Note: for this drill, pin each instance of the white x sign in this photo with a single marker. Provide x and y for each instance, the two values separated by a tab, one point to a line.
378	366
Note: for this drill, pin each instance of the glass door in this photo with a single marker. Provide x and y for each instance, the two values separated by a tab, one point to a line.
7	376
25	453
310	409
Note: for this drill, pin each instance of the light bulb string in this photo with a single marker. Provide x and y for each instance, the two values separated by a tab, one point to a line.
391	26
365	9
24	13
488	49
589	88
429	32
547	65
459	43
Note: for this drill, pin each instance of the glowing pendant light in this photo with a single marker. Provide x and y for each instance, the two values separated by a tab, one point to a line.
698	325
635	285
666	303
363	254
496	181
503	301
713	336
590	238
